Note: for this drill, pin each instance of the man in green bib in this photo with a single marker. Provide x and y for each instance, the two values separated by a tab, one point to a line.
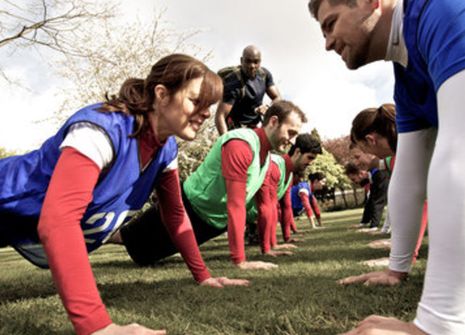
275	192
217	195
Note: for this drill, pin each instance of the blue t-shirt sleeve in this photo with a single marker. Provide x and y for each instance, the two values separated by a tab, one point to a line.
441	37
268	78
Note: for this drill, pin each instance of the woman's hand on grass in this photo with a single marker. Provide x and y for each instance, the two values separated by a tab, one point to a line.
221	282
256	265
132	329
387	277
380	325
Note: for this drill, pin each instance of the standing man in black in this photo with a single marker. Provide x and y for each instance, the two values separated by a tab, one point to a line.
377	198
244	89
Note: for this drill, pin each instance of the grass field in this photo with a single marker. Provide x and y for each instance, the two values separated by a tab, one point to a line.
300	297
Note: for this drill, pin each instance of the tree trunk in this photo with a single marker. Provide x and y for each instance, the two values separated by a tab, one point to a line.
354	189
343	193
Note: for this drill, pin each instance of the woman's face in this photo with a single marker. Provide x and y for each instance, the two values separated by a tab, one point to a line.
377	145
177	115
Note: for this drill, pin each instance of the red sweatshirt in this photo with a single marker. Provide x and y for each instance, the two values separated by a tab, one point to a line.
287	218
69	193
236	157
268	217
306	203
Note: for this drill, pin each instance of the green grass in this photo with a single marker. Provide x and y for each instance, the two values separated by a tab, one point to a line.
300	297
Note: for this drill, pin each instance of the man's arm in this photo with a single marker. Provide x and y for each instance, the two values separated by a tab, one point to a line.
236	157
273	92
442	305
271	89
222	113
287	218
303	195
316	208
406	195
265	206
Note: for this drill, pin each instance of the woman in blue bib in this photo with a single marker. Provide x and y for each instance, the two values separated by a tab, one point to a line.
68	197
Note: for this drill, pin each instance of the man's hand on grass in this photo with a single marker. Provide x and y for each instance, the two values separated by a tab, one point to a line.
221	282
256	265
386	277
379	325
132	329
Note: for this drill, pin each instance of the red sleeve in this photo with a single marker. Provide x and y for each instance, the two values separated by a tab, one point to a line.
287	216
236	192
236	157
177	223
275	175
266	206
277	215
274	217
315	207
69	193
308	209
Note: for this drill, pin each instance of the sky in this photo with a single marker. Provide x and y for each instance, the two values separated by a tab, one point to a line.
292	49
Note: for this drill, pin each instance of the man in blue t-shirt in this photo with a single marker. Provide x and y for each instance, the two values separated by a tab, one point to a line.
303	198
244	89
425	39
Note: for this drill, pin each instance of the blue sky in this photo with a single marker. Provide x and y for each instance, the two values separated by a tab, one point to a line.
292	49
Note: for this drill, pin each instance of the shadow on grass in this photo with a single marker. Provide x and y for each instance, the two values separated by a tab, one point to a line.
11	292
302	306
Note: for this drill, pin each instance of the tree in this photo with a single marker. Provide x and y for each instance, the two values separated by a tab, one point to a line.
334	172
316	134
5	153
339	147
48	24
118	53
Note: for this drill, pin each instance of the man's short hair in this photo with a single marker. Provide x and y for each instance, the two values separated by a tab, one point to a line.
306	143
351	169
281	109
314	5
316	176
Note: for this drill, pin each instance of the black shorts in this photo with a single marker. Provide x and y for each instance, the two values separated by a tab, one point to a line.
147	240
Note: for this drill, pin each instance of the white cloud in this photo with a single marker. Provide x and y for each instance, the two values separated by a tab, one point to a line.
21	128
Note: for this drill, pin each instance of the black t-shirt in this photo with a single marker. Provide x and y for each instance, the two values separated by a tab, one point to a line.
246	98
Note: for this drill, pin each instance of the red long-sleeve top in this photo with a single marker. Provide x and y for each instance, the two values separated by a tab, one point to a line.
315	207
306	203
69	193
267	201
287	218
268	216
236	157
